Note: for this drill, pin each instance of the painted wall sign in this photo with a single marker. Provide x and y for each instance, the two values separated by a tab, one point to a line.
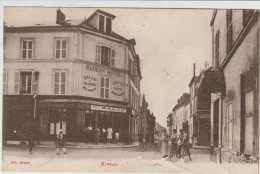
89	83
107	108
118	88
101	70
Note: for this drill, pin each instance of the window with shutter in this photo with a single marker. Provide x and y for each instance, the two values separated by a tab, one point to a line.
104	87
5	82
16	82
112	58
34	83
98	57
25	83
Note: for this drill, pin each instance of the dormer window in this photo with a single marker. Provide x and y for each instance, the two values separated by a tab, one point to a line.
104	24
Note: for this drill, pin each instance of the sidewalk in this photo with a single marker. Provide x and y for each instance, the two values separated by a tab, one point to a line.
79	145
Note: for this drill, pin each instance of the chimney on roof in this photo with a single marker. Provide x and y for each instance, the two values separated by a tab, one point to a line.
60	18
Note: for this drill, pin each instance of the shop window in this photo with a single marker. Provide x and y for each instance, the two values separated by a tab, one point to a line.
60	82
58	120
104	87
5	82
61	48
27	48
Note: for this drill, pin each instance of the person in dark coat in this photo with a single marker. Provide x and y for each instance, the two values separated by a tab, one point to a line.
31	142
140	138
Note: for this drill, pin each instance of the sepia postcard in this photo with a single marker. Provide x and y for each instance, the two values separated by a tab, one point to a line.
130	90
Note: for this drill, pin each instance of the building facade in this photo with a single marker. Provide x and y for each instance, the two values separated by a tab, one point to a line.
235	111
69	74
181	114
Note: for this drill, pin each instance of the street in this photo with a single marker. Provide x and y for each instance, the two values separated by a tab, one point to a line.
111	160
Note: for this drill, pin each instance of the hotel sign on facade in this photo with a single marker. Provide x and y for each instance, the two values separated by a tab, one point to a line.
108	109
91	82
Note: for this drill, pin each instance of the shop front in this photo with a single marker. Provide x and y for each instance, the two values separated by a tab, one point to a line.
78	119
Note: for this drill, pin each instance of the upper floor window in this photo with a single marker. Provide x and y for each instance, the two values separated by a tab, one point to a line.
59	82
5	82
27	47
105	24
247	14
105	55
104	87
25	82
61	48
229	31
217	49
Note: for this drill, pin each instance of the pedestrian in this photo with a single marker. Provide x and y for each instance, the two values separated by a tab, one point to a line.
90	133
60	142
104	135
156	140
186	144
164	148
117	137
174	145
85	136
97	134
147	140
140	138
31	142
109	134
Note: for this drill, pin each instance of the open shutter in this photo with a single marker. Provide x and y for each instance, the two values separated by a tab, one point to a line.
5	82
102	87
107	88
63	83
56	82
16	82
98	56
34	83
113	57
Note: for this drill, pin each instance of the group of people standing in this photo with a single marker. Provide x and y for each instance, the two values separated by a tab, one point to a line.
147	139
99	134
178	142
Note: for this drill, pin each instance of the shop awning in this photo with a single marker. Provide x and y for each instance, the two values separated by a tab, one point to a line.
213	80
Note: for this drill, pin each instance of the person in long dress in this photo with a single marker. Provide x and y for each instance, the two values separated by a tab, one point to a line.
109	134
164	149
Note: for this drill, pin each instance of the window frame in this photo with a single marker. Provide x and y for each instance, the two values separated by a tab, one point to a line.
228	122
5	82
99	54
104	24
22	39
229	30
105	87
59	84
20	82
61	49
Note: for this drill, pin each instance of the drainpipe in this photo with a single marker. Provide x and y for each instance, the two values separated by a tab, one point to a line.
220	128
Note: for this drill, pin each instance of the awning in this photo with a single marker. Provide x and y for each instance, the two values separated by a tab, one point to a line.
213	81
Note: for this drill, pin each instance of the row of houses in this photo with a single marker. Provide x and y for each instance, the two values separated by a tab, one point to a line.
223	103
70	74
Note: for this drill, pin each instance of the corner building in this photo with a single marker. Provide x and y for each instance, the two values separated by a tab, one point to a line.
68	74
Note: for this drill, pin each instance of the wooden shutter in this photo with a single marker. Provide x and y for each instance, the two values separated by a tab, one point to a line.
5	82
102	87
34	83
16	82
98	56
112	57
56	82
107	88
63	83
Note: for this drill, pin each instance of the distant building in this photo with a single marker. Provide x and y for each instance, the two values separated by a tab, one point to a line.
235	104
181	114
81	72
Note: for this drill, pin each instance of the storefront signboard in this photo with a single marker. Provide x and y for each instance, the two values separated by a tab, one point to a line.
108	109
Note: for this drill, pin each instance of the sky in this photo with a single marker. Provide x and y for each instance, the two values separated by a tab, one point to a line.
168	42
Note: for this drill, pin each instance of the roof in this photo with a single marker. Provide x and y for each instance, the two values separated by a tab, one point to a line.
81	23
